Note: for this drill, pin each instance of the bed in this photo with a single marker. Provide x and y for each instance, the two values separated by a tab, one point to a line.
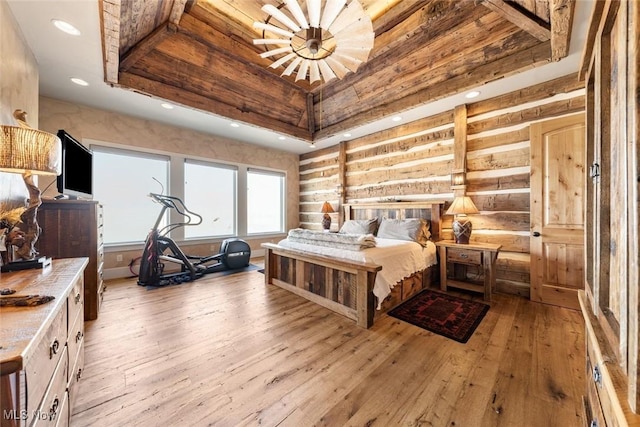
346	285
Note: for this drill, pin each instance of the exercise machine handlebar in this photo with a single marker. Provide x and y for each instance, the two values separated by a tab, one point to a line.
172	202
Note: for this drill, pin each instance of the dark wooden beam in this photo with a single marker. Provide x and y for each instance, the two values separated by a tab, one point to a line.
459	146
234	112
342	179
146	45
311	116
518	18
561	13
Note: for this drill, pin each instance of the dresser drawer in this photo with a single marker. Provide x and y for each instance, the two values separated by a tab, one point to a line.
75	302
54	405
463	256
46	357
604	376
593	411
76	339
75	374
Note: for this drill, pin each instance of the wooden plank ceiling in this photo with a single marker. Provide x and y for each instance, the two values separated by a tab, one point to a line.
200	54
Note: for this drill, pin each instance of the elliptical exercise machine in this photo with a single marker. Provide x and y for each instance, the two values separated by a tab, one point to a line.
159	247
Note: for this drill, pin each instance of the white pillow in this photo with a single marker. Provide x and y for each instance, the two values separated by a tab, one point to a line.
413	229
360	226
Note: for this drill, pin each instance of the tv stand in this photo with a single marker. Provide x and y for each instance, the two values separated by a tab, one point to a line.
70	229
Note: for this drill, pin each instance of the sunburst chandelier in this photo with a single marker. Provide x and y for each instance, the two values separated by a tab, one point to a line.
322	43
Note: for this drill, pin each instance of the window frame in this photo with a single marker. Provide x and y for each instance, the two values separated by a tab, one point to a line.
283	199
109	149
218	165
176	188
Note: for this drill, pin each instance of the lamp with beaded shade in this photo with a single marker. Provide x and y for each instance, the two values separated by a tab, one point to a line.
326	218
460	208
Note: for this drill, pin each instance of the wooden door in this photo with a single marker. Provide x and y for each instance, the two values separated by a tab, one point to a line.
557	210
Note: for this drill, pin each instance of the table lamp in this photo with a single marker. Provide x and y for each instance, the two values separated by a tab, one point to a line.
28	152
326	218
460	208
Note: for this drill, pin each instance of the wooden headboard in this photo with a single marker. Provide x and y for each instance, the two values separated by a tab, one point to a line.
429	210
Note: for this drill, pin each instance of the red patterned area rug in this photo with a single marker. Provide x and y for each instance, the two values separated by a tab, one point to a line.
446	315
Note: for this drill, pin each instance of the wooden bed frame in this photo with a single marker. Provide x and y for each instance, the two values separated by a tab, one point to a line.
346	286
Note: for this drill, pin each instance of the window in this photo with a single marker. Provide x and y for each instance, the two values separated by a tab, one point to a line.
210	191
232	199
265	201
122	181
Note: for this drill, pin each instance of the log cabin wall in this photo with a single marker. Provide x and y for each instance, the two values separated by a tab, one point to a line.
414	161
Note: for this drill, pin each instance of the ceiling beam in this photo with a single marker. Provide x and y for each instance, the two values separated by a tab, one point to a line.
110	26
561	15
164	91
518	18
504	67
176	11
146	45
592	32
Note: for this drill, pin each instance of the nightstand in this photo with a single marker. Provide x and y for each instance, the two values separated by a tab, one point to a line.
455	258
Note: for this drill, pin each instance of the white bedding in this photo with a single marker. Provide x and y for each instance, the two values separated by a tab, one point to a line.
398	258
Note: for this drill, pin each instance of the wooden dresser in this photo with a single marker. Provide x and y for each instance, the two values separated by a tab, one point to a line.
73	228
42	347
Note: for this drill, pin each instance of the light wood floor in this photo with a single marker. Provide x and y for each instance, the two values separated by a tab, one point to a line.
230	351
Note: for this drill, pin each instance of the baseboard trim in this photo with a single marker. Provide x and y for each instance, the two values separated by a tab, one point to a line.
124	272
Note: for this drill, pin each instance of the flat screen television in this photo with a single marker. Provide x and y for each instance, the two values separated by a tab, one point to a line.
75	181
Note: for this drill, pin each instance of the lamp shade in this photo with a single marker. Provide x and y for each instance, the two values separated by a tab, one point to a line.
327	208
462	205
26	150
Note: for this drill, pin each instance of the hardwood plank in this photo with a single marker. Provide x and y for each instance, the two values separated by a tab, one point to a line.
231	351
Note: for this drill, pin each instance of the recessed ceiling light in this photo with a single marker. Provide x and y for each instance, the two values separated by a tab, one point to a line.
396	118
66	27
167	106
234	125
282	138
346	135
472	94
79	82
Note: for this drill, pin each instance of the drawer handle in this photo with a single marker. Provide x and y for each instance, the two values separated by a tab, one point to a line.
464	256
77	298
53	411
597	376
79	336
53	348
79	374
